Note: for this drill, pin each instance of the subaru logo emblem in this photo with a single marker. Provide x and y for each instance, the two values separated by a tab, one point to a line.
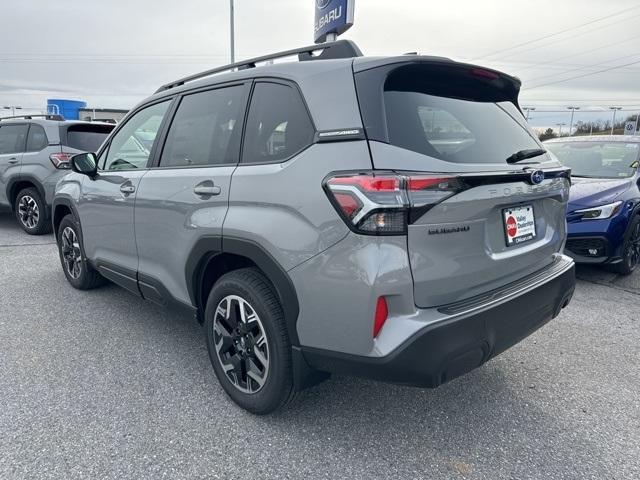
322	3
537	177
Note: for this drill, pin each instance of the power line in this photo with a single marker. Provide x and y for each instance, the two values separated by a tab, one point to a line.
580	34
551	35
555	60
577	69
584	75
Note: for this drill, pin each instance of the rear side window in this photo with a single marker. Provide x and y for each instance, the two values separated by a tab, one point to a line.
37	138
12	138
451	119
278	125
87	138
206	129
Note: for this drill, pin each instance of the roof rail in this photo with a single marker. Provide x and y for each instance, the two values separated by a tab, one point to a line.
27	116
330	51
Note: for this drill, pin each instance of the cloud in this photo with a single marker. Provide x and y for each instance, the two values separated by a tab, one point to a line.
114	53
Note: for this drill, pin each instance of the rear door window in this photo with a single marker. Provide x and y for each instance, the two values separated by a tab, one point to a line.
12	138
278	126
206	129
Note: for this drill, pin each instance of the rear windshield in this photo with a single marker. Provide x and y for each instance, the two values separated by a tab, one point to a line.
448	123
597	159
87	138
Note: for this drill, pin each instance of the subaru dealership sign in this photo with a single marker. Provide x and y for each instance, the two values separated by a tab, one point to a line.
332	16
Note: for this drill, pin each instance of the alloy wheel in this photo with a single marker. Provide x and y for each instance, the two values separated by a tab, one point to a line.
633	248
28	211
241	344
71	253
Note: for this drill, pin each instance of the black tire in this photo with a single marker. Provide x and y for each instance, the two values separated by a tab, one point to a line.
630	249
31	212
85	277
251	286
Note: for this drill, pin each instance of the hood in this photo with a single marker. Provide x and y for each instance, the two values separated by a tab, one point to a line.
591	192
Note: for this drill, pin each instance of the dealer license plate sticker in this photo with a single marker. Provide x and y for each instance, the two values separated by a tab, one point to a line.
519	224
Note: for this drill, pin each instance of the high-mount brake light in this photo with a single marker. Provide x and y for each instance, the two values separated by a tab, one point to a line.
482	73
385	203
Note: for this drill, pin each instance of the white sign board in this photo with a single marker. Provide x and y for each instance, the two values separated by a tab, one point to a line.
630	128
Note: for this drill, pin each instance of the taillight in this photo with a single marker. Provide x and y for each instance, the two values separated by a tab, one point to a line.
385	203
61	160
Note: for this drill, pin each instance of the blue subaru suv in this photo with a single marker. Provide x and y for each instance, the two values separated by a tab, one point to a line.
603	215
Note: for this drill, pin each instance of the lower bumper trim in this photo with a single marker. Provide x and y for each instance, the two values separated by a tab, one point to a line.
448	349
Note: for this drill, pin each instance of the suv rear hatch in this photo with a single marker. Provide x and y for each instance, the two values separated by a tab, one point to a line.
475	223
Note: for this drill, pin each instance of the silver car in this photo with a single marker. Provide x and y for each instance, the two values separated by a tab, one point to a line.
34	154
393	218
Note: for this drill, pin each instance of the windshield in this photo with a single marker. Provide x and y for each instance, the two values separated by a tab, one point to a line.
597	159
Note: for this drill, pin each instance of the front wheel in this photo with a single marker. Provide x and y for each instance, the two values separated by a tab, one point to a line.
248	342
630	250
78	271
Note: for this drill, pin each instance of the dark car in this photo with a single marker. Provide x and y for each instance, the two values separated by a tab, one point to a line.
603	215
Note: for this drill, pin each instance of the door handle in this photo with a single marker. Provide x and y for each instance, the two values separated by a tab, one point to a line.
13	160
127	188
206	189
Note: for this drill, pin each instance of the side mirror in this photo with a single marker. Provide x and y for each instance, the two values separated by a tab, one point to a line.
85	163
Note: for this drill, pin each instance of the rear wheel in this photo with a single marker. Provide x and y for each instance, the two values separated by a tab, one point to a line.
248	341
79	273
30	211
630	250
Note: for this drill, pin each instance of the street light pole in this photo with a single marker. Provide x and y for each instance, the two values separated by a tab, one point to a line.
232	31
528	110
13	109
573	111
613	123
560	125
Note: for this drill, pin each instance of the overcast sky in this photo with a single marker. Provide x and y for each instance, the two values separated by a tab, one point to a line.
114	53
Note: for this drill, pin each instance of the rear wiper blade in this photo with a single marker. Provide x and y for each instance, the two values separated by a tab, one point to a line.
525	154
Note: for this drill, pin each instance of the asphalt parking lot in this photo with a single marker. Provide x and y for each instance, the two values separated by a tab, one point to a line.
101	384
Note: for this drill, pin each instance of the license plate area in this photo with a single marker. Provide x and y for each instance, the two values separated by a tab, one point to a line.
519	224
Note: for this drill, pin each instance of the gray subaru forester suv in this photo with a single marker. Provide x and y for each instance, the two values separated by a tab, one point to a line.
393	218
34	154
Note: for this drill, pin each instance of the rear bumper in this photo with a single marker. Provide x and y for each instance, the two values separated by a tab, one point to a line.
447	349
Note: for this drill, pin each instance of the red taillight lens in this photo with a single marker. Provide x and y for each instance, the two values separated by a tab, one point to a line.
61	160
382	203
349	204
382	312
370	183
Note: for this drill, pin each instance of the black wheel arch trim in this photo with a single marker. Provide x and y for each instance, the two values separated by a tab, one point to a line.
207	248
24	178
57	202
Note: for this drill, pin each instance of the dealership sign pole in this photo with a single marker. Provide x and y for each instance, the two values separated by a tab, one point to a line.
333	18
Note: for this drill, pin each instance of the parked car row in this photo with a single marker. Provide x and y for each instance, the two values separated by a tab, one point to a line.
393	218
